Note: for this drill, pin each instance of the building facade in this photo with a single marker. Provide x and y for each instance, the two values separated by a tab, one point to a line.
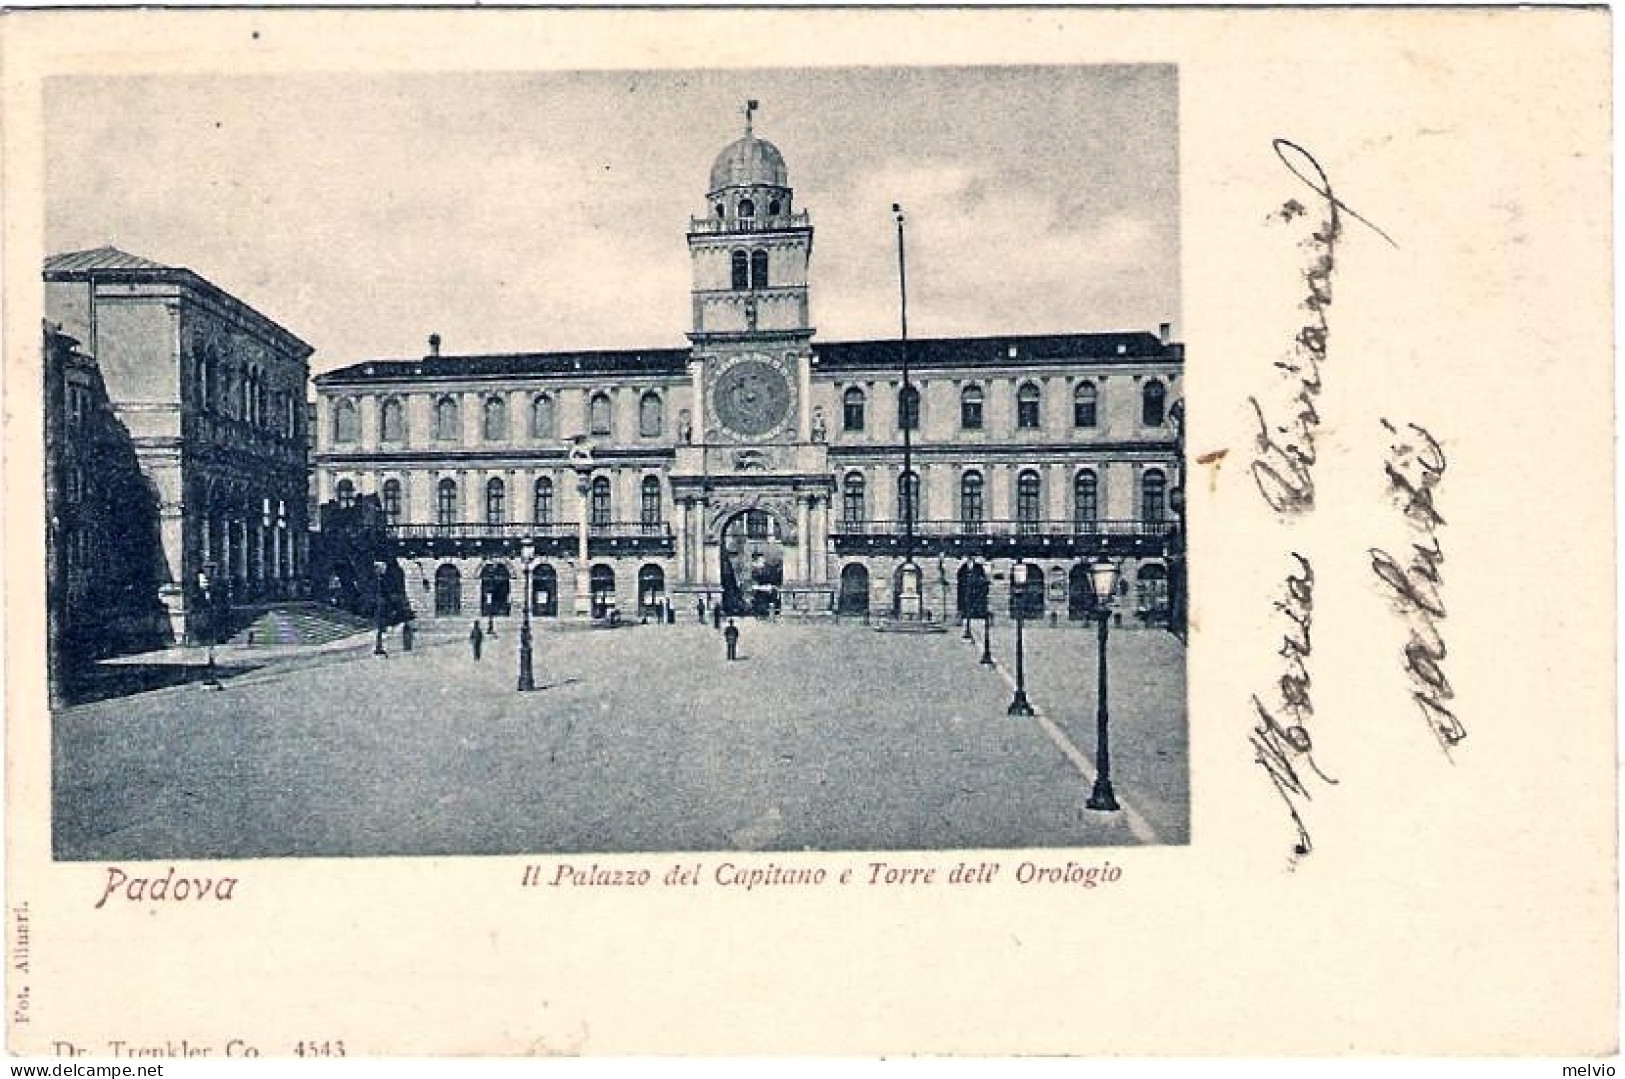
211	396
103	558
759	466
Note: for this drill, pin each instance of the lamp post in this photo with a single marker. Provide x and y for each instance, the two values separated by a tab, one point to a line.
1019	705
1103	578
527	677
378	608
910	603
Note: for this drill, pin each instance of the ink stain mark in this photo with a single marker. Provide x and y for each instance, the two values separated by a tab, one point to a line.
1211	461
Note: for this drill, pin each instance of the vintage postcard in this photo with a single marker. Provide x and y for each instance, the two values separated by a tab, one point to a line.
482	580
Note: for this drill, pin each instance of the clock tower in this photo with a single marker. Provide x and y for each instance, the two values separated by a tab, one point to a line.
750	253
755	479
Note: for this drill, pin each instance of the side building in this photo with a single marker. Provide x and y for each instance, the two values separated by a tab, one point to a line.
759	467
103	556
211	395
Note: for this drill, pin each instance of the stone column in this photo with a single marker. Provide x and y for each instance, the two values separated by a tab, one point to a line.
583	600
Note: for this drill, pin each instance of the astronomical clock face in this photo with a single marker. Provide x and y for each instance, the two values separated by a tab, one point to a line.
752	397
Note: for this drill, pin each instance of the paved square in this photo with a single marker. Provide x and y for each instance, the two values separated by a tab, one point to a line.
821	737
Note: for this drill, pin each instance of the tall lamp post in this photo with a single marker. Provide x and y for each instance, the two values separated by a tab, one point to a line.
527	677
909	600
378	608
1103	578
1019	705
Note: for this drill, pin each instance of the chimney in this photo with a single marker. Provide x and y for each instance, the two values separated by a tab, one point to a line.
1163	331
434	341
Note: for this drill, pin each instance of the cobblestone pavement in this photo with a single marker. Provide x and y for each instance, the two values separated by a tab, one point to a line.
823	737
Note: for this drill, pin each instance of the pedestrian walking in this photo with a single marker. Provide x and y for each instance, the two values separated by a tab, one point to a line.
406	635
476	638
716	615
731	636
699	609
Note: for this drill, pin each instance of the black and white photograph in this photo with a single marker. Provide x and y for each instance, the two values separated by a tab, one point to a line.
487	465
878	532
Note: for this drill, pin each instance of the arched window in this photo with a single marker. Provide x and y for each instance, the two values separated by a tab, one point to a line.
391	420
346	494
1153	495
649	514
448	425
600	502
852	499
972	507
1153	404
446	502
970	408
496	419
908	408
1027	502
541	416
908	497
598	414
758	269
651	416
741	270
392	500
496	496
773	208
1027	400
542	506
852	409
1084	400
747	208
346	421
261	397
1085	500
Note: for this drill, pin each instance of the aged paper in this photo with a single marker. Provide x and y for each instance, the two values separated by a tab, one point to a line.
1394	290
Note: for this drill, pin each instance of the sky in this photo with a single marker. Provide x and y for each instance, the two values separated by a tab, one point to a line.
514	212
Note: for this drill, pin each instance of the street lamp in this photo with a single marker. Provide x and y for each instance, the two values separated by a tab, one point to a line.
1103	578
378	608
527	679
1019	705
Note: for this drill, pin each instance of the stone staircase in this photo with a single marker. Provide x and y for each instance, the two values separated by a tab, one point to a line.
300	623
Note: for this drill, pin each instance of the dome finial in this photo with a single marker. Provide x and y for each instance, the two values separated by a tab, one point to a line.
750	107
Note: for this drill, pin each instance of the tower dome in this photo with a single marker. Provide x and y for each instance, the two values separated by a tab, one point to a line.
749	161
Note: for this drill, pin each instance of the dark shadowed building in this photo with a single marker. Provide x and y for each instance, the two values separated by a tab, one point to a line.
210	394
104	556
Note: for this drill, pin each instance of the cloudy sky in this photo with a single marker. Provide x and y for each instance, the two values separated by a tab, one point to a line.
516	212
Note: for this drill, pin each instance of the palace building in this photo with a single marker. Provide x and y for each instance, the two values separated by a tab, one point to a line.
207	394
759	466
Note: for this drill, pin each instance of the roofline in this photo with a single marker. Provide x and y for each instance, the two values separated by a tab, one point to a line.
178	275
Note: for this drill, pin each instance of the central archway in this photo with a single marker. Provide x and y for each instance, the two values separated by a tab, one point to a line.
752	554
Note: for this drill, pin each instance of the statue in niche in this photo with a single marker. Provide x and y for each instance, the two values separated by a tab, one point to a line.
685	429
818	424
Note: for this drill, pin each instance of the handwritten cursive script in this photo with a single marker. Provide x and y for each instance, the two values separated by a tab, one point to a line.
1285	455
1281	741
1414	468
